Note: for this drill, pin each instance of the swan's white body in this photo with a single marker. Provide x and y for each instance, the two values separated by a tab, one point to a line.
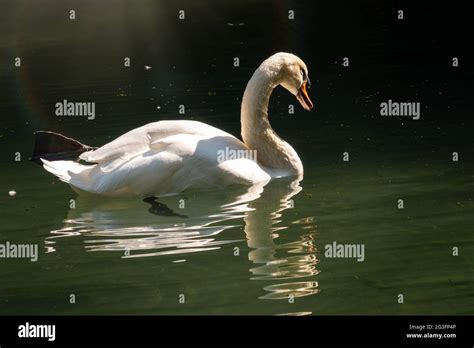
167	157
160	158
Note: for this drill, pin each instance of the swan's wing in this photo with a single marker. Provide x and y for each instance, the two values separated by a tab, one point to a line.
167	165
137	141
139	174
170	165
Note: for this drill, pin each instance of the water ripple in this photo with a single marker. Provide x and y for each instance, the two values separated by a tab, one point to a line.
130	230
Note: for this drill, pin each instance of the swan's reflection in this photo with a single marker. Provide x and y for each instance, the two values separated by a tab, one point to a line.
126	226
297	260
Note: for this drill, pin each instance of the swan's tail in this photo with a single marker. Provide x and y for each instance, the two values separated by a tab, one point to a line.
83	178
73	173
59	155
55	147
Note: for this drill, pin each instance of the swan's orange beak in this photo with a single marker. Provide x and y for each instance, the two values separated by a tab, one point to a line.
303	97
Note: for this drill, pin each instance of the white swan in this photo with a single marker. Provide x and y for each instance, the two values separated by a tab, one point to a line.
167	157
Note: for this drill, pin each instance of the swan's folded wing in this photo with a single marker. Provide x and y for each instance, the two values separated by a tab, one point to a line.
138	140
126	146
160	169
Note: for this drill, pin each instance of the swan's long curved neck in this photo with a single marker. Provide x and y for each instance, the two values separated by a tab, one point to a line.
257	133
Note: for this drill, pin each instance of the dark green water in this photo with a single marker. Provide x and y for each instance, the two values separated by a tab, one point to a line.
241	250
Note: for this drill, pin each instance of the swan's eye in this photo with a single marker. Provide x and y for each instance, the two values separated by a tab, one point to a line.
305	78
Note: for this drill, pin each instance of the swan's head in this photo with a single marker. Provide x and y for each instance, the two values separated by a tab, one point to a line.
292	74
